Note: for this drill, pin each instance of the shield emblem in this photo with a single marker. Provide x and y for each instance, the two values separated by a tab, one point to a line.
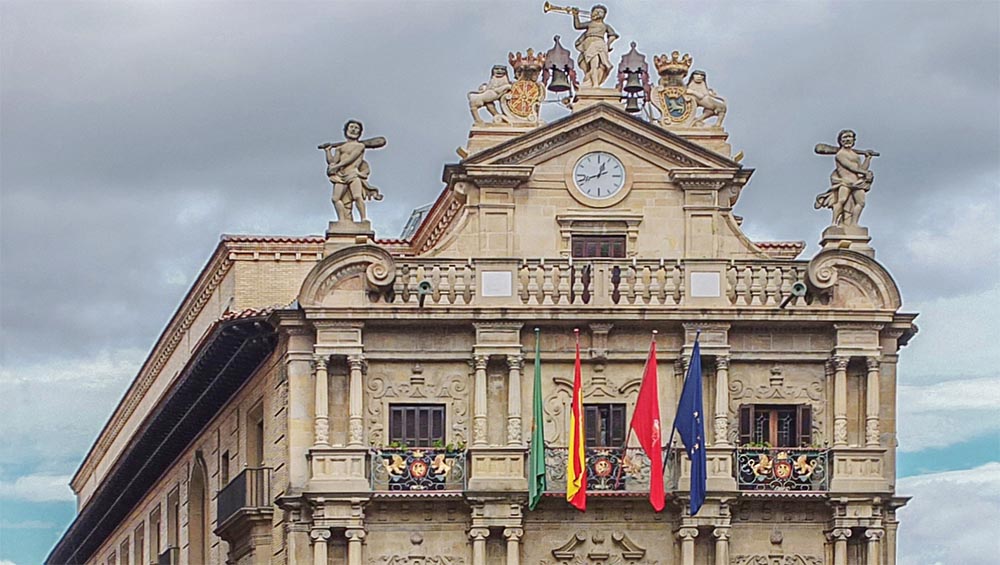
524	98
676	107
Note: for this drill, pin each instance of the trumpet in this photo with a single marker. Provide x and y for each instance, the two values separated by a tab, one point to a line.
550	7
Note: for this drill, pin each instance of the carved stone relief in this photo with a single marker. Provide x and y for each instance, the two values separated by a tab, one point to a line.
451	389
597	548
776	391
597	388
777	560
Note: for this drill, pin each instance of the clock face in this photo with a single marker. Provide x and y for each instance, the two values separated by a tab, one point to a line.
599	175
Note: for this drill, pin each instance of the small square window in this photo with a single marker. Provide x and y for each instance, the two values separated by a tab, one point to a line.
599	246
604	425
417	425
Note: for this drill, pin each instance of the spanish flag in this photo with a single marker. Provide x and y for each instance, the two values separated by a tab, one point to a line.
576	464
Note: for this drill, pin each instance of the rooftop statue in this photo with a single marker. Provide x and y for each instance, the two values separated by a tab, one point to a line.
850	181
348	172
489	95
711	104
594	44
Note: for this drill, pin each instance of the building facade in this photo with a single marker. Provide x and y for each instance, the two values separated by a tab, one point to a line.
350	399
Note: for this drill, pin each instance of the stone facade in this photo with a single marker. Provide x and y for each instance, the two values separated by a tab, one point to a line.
296	463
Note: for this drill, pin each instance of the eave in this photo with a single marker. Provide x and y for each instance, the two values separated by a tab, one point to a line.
231	352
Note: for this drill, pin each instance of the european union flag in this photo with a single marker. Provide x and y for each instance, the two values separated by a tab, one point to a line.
690	424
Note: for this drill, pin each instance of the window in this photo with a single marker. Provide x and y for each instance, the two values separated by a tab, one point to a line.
173	518
138	540
224	469
777	426
111	559
123	553
255	436
154	534
416	425
604	425
597	246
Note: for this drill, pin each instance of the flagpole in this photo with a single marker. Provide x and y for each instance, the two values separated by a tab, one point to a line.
673	429
628	436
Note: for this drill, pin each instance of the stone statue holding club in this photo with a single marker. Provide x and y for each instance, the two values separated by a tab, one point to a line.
348	172
850	181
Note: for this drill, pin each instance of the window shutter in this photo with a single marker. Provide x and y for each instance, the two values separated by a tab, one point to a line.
804	421
617	435
746	424
592	424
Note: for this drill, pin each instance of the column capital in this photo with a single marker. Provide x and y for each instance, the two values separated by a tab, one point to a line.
356	361
874	534
320	361
872	362
515	362
479	533
840	362
722	362
840	534
513	534
687	533
721	534
479	361
319	534
355	534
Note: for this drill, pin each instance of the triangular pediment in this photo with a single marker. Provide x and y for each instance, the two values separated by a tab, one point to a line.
606	122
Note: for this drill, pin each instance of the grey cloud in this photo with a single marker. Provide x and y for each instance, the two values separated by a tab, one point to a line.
119	118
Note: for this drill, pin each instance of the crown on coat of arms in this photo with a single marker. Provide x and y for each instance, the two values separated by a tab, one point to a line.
527	66
672	65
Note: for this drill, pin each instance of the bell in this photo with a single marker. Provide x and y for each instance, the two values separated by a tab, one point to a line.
632	84
559	82
632	105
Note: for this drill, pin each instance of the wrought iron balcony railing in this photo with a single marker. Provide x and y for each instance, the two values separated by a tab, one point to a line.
250	489
609	469
782	469
418	469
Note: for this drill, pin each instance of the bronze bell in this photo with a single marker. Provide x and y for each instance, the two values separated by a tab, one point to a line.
559	82
632	105
632	83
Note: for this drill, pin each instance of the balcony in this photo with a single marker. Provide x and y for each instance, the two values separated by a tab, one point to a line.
783	469
170	556
609	469
418	470
248	491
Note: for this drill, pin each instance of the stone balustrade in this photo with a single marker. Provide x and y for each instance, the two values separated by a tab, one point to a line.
587	282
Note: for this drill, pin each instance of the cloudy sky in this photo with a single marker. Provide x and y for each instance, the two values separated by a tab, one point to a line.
133	134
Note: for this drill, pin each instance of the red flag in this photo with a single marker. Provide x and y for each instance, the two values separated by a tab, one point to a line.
576	465
646	425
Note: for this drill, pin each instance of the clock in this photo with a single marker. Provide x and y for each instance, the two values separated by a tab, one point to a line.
599	175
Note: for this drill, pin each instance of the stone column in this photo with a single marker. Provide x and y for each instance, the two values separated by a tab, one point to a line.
840	401
355	429
687	535
872	403
873	543
514	365
479	419
322	424
355	537
479	536
320	537
513	536
722	401
721	546
839	537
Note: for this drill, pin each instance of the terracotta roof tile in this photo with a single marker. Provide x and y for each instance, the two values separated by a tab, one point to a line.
273	238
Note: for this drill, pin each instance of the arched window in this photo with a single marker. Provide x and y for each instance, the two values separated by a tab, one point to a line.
199	530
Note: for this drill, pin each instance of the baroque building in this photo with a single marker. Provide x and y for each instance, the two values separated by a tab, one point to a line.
353	399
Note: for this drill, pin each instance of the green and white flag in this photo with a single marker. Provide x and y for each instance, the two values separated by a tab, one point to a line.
536	457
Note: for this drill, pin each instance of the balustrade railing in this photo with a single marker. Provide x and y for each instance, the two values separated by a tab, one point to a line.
592	282
250	489
418	469
608	469
782	469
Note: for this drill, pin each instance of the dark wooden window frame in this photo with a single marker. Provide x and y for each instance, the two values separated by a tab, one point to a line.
801	426
417	425
605	424
598	246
